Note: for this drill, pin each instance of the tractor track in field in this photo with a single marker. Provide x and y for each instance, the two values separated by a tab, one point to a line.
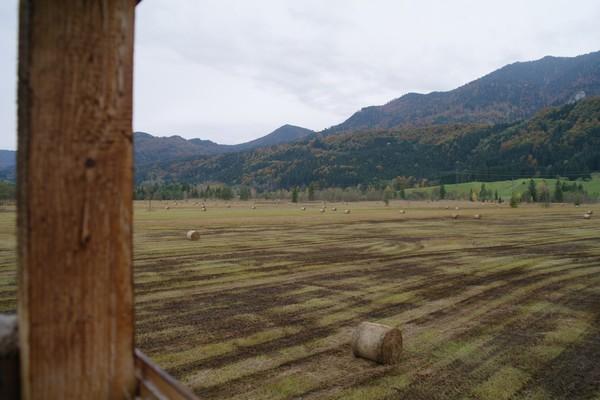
277	303
501	314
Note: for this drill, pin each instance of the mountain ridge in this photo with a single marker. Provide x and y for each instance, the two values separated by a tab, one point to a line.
159	149
511	93
556	141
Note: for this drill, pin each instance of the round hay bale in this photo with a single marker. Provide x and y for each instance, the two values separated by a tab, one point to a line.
377	342
477	216
590	212
167	207
322	210
193	235
402	212
454	216
346	211
587	216
254	207
303	208
334	209
457	208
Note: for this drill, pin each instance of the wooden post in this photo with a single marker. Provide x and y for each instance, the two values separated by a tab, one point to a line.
75	199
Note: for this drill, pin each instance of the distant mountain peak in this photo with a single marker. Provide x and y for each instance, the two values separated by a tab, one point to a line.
151	149
511	93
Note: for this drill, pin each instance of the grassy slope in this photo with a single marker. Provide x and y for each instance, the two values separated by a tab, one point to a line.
505	188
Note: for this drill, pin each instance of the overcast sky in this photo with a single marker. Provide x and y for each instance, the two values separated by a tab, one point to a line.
231	71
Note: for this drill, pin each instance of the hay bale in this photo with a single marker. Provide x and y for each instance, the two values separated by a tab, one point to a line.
447	207
167	207
590	212
587	216
193	235
322	210
377	342
477	216
454	216
457	208
334	209
303	208
402	212
346	211
254	207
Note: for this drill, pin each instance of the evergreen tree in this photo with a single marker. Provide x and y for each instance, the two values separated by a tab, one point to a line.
295	195
245	193
442	192
558	192
533	191
311	192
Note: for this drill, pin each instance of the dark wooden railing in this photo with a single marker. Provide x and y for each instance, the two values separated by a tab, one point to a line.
156	384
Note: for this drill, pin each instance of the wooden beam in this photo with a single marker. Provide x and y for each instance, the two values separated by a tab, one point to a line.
154	383
75	199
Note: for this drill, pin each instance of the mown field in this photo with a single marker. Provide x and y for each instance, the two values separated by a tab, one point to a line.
263	305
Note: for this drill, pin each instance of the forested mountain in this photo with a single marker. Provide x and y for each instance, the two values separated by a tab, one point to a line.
509	94
557	141
149	149
8	158
487	128
285	134
152	149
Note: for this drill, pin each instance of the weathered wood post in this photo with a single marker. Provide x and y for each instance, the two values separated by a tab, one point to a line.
75	199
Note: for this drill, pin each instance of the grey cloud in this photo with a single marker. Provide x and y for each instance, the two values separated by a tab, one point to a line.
232	70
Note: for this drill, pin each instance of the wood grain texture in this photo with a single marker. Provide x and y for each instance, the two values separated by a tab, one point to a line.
154	383
75	199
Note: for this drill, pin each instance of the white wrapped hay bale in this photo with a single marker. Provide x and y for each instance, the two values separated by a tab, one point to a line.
477	216
346	211
377	342
193	235
587	216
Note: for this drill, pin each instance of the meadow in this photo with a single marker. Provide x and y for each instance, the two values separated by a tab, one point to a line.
506	188
264	304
